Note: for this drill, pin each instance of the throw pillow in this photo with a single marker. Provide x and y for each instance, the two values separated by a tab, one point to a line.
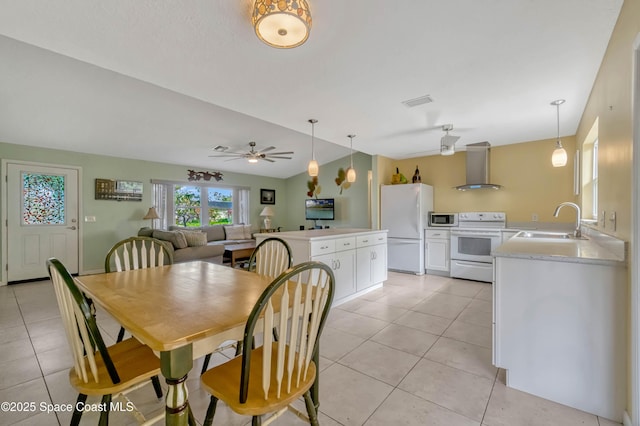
234	232
247	232
175	237
195	238
145	232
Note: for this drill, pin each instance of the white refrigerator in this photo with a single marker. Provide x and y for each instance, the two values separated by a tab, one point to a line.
404	212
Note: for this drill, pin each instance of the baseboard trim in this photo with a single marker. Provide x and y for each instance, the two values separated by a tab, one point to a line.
626	420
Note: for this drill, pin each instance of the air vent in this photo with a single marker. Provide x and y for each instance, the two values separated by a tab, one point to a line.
220	148
426	99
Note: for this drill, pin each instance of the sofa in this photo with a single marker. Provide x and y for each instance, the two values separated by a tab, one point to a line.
199	243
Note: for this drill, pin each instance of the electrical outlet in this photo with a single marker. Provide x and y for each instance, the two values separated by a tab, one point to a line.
534	217
89	218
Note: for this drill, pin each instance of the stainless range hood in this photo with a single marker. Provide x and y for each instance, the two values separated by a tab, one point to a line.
478	168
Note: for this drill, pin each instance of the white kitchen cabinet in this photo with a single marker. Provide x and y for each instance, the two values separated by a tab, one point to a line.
345	251
371	260
343	264
437	251
559	331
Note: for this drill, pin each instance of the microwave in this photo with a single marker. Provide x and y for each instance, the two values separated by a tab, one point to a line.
443	219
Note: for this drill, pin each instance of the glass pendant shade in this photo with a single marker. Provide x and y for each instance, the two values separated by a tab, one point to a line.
313	168
282	24
559	156
351	175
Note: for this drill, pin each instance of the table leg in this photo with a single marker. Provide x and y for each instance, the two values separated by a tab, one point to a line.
175	365
233	259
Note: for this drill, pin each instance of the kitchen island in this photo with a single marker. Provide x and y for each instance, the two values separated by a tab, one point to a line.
560	320
358	257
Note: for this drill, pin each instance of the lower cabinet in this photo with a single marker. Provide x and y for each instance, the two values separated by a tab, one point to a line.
437	251
343	265
358	259
371	263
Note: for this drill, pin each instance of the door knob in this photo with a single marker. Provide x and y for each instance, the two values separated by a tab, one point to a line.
73	228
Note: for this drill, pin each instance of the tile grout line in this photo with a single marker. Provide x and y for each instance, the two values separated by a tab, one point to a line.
36	356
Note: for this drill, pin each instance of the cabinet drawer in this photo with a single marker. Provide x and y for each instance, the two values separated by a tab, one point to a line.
436	234
371	240
323	247
348	243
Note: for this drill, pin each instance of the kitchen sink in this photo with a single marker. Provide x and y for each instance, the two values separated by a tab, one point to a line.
547	235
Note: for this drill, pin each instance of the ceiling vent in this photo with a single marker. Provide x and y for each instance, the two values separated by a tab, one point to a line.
426	99
220	148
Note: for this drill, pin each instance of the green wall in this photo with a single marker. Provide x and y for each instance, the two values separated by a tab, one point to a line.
119	220
351	205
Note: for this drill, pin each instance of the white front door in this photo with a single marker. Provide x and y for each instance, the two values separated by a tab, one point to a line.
42	214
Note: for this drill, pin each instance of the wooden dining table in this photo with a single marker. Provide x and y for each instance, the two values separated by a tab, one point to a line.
181	311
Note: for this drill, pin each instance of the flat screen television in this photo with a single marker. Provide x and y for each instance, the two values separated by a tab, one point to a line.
319	209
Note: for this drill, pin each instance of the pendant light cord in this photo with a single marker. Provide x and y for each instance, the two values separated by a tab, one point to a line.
351	148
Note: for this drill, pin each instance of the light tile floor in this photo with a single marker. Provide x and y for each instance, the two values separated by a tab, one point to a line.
415	352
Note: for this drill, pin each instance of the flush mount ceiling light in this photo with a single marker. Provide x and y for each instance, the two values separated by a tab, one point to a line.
447	142
351	172
559	156
313	168
282	24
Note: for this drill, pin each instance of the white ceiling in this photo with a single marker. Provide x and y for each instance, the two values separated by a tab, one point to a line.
167	80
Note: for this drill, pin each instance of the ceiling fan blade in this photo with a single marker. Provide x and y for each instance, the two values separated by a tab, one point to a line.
267	159
280	157
280	153
269	148
233	159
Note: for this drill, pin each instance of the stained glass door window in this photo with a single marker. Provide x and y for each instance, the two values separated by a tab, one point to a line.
43	199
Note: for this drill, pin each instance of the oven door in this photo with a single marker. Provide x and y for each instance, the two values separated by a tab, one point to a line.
474	246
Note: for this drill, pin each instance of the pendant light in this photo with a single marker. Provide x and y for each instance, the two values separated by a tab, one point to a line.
559	156
351	172
313	168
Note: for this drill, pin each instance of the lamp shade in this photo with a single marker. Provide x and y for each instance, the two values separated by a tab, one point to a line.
559	156
267	211
313	168
151	214
282	24
351	175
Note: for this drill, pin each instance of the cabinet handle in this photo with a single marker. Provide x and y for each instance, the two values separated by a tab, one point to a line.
324	247
347	244
338	262
365	241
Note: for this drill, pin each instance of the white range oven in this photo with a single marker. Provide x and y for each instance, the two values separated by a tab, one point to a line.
477	235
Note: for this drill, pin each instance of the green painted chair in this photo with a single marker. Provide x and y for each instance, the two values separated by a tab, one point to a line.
267	379
271	257
107	372
136	253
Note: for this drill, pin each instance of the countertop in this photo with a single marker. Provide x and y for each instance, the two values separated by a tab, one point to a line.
596	249
319	234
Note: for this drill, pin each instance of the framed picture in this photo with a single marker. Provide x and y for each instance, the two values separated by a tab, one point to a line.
267	196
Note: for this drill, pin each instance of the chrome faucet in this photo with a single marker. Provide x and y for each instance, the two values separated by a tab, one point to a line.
577	233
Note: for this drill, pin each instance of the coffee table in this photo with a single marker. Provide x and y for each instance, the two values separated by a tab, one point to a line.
239	251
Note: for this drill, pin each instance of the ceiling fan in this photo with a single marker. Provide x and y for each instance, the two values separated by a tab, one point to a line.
252	155
447	141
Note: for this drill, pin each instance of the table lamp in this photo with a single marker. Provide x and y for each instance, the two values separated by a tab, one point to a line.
267	212
152	214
